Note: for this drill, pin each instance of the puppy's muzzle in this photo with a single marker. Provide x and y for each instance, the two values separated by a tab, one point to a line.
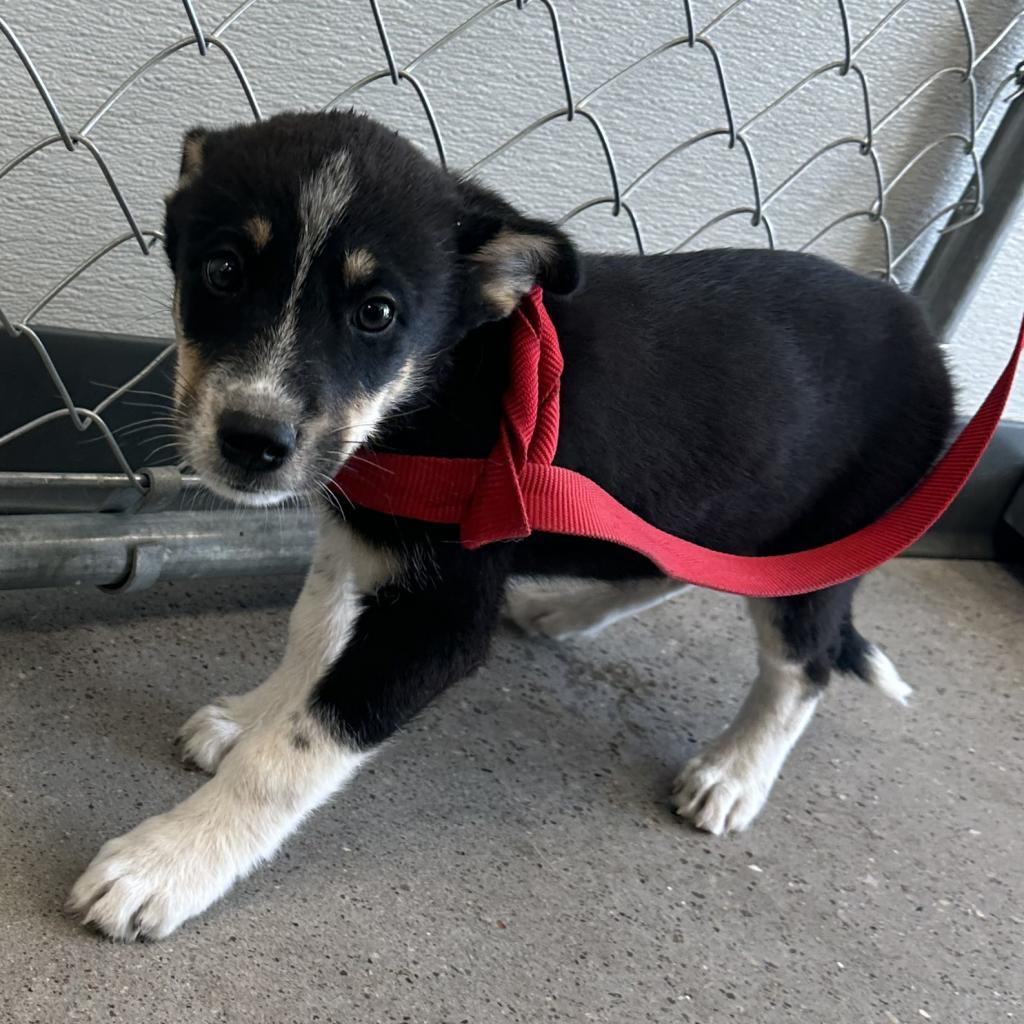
255	444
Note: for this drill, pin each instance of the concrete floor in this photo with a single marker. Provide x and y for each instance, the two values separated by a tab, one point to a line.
512	857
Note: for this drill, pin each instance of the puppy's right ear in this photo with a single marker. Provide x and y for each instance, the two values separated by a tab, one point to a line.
192	156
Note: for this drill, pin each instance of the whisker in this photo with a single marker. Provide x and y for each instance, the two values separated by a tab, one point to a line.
327	490
163	447
167	405
129	391
138	428
125	431
347	457
387	418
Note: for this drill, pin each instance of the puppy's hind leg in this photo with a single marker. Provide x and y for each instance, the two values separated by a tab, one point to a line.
800	641
585	610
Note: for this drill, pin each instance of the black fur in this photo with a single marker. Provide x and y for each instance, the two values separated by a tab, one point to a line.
755	402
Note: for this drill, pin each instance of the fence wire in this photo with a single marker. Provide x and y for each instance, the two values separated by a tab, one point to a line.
700	38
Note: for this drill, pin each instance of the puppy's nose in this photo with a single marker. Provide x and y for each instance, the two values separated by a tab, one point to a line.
255	443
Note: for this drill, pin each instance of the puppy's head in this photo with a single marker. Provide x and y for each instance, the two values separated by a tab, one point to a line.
322	268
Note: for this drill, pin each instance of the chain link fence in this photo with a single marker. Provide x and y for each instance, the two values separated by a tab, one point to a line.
851	129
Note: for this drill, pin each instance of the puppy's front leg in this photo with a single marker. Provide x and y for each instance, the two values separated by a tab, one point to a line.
277	766
322	715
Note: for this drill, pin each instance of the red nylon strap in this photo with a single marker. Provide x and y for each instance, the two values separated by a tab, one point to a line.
516	489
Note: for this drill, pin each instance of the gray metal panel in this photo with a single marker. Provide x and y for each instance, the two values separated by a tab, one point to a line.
968	529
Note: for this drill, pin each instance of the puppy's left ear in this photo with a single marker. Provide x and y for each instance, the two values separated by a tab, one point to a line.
192	155
507	254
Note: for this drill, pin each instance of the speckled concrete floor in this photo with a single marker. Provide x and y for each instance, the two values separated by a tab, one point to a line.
512	858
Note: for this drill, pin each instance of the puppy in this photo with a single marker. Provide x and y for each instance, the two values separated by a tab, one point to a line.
334	288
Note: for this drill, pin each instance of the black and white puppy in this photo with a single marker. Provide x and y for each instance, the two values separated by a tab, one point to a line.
334	287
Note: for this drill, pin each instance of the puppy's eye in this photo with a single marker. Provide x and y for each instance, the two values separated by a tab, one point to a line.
222	273
375	315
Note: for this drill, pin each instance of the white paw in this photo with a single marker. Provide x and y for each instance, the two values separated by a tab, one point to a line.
558	616
721	790
210	733
144	884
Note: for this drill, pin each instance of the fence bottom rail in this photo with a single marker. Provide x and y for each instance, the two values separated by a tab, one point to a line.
128	552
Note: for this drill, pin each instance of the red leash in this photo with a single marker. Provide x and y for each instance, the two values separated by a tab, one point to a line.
517	489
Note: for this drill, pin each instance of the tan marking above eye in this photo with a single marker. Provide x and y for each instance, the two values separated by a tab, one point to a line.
358	266
259	230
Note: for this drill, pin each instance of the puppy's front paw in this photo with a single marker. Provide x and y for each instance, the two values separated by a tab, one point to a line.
722	790
144	884
210	733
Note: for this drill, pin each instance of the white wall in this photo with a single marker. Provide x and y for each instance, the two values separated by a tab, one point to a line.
501	74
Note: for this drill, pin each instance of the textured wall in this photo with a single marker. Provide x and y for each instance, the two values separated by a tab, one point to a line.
982	340
493	80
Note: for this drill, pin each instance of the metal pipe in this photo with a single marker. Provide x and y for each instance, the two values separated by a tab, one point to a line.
128	552
958	262
153	489
70	492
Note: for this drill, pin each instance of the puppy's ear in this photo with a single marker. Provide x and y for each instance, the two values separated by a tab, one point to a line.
192	155
506	254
